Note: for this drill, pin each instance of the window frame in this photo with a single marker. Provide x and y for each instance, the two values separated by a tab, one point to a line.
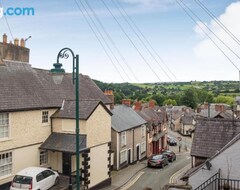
123	158
4	125
123	138
6	161
43	157
143	147
45	116
143	131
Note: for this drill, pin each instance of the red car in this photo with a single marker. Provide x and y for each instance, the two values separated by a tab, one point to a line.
170	155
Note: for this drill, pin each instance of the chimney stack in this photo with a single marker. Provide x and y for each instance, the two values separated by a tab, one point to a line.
109	94
14	51
138	105
126	102
151	104
4	38
16	41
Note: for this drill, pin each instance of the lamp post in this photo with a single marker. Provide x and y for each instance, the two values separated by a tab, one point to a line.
58	73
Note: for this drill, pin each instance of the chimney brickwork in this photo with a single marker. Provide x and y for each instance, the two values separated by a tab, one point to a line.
138	105
151	104
14	52
126	102
110	95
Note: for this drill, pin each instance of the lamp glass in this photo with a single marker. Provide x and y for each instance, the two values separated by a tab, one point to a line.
57	77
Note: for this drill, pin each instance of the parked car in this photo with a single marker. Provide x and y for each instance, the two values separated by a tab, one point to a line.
35	178
171	141
170	155
159	160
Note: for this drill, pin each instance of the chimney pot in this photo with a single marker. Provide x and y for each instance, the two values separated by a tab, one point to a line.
16	42
22	42
4	38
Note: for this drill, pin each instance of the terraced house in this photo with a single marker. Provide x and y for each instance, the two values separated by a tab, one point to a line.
37	121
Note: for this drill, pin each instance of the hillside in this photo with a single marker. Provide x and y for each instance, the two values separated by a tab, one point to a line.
205	91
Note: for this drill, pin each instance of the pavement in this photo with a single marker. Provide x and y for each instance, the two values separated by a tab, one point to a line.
121	178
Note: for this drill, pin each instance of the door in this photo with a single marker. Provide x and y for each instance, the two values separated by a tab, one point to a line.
129	156
138	152
66	164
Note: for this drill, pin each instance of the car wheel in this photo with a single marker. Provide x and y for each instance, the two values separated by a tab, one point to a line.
56	181
162	165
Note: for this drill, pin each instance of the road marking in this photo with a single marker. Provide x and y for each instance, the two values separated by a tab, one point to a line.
171	180
126	186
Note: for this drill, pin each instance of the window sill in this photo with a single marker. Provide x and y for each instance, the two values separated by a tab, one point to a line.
5	139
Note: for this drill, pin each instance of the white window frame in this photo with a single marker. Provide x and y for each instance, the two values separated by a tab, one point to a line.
123	138
43	157
45	116
143	130
4	125
5	164
123	156
143	147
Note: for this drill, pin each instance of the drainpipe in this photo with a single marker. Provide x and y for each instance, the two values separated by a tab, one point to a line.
133	145
209	110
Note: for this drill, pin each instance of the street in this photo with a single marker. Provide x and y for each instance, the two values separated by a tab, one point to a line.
156	178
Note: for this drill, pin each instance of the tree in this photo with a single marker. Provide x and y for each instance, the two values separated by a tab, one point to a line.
159	98
224	99
189	98
170	102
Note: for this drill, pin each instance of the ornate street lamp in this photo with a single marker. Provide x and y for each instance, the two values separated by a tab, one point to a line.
58	74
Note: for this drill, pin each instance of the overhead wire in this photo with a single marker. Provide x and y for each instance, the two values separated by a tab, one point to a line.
138	33
120	26
230	49
190	16
104	40
111	40
200	4
91	27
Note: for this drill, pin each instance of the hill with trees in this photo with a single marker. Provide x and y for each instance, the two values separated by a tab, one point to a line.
175	93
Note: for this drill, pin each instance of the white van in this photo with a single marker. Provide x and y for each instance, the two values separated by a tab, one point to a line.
35	178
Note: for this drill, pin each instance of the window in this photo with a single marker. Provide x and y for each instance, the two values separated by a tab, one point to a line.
123	138
143	147
47	173
123	156
4	125
43	157
39	177
5	164
45	117
143	130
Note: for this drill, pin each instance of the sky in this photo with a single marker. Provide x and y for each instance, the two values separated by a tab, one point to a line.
167	45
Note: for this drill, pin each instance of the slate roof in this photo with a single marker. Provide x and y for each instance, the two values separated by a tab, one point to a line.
213	114
187	120
24	87
125	118
191	171
213	134
86	108
62	142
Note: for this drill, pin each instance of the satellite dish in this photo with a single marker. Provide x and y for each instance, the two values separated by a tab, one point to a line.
208	164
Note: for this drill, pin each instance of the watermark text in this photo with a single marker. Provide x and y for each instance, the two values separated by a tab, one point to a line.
17	11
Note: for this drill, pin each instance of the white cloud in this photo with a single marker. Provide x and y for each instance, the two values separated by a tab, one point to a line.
208	55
